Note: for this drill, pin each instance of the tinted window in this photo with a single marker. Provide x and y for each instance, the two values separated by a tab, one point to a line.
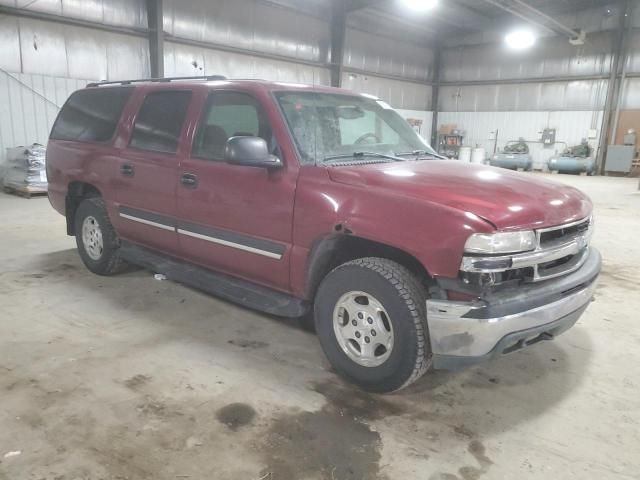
229	114
91	115
159	122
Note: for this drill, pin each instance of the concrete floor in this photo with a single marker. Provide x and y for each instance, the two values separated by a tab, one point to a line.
129	377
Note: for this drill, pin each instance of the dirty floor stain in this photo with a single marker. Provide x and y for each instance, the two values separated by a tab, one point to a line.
333	443
236	415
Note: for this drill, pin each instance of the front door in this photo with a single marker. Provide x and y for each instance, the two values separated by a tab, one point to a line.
236	219
148	171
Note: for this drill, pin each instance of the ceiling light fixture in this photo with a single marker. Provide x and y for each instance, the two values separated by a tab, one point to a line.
520	39
420	5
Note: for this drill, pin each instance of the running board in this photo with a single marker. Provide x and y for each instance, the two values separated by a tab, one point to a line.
224	286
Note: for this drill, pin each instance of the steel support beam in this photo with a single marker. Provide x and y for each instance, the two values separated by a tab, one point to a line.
338	33
558	29
435	92
155	20
353	5
515	81
624	74
241	51
561	26
388	76
612	88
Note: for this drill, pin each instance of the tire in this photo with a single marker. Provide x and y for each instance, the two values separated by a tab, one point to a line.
403	300
105	260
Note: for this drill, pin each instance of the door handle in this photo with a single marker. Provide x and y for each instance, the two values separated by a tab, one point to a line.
189	180
127	170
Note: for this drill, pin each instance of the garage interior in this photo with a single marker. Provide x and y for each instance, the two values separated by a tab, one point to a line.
135	377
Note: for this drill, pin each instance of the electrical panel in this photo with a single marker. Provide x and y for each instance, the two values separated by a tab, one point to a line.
548	136
629	138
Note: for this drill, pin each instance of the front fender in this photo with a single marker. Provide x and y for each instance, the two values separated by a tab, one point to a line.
432	233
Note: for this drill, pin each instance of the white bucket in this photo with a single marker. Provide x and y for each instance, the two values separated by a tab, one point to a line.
464	154
478	155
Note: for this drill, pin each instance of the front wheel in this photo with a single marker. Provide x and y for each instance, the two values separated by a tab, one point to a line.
371	321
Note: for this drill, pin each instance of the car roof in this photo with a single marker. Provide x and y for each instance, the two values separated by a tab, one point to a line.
220	81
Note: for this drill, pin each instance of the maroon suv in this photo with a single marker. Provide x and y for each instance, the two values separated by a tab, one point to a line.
299	200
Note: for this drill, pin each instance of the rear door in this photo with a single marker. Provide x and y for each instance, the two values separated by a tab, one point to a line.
148	169
232	218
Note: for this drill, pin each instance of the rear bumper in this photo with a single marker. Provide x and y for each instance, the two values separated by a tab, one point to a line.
464	333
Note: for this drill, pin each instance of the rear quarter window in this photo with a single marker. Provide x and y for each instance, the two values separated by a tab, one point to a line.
91	115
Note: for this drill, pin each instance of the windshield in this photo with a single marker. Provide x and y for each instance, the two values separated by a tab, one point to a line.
327	126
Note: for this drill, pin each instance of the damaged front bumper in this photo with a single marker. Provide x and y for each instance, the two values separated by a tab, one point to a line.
465	333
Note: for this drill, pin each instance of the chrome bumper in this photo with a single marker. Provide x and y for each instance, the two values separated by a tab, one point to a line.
464	333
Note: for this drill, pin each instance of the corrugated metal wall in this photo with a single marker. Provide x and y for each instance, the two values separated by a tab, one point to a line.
368	52
571	128
577	95
395	69
550	57
45	48
55	59
184	60
517	109
30	104
126	13
249	24
399	94
301	41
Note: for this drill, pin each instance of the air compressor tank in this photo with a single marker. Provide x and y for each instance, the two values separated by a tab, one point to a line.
566	164
514	156
513	161
576	159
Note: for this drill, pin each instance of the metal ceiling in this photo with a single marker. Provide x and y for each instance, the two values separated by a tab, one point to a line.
449	19
462	17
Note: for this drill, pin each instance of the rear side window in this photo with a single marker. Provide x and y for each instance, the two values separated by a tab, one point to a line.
159	121
91	115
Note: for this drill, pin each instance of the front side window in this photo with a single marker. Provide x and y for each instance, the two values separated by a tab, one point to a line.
226	115
91	115
325	126
159	121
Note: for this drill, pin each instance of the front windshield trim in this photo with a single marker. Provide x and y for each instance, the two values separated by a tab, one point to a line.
407	136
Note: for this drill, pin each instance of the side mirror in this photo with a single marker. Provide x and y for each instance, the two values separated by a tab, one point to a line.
251	152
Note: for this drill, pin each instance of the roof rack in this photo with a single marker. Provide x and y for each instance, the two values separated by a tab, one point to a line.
164	79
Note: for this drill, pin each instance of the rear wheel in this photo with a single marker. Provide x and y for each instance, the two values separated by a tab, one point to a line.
97	242
370	319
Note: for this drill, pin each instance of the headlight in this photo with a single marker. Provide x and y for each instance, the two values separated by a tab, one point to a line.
501	242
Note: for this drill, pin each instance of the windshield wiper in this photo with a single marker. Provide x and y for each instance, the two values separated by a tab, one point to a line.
420	153
357	155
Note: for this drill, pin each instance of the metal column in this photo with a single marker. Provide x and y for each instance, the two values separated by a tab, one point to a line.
612	89
435	92
621	83
156	37
338	32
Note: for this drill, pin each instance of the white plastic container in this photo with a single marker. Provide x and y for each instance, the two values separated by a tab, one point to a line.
478	155
464	154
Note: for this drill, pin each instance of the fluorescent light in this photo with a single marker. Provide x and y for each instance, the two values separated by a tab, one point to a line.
420	5
520	39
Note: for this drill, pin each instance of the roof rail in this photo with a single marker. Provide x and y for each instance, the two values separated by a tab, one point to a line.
164	79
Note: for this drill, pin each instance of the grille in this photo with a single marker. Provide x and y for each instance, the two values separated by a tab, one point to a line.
563	234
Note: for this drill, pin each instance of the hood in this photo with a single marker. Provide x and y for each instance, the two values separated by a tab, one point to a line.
507	199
